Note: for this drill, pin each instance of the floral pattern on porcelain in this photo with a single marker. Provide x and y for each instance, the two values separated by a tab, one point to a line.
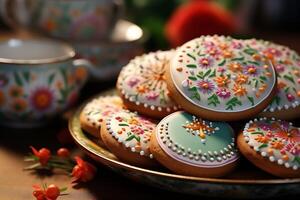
222	74
277	140
131	130
143	81
287	65
77	19
32	93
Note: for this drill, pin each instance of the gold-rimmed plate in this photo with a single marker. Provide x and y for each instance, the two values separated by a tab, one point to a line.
246	182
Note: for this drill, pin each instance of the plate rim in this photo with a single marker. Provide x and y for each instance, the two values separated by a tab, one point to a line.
75	116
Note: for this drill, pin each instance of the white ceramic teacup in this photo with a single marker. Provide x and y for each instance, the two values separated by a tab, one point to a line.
39	78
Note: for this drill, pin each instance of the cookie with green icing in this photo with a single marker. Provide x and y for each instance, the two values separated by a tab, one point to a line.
142	85
286	103
272	145
127	135
221	78
193	146
94	112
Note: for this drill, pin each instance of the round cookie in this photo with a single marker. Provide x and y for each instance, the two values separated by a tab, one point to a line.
142	85
191	146
127	135
286	103
273	146
220	78
94	112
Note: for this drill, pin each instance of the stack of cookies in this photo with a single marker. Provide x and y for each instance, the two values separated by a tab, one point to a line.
175	108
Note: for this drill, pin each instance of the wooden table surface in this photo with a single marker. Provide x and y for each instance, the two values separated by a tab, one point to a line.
16	184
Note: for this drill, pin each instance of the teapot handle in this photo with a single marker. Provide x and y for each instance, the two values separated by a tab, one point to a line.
15	12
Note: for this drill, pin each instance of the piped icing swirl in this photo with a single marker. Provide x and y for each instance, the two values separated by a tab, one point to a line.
287	66
196	142
131	130
222	74
142	81
277	140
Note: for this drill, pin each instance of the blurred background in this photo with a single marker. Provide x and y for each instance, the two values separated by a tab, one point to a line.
109	33
170	23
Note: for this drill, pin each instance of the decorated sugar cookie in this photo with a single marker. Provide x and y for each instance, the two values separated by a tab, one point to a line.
127	135
272	145
93	114
221	78
192	146
286	103
142	85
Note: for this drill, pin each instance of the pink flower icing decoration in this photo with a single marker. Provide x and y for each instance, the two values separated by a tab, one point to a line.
152	95
279	68
133	81
205	62
223	93
205	86
290	97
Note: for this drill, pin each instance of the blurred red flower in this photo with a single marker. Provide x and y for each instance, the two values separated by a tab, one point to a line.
83	171
197	18
43	155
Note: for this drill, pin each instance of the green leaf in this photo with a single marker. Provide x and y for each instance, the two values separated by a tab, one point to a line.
286	90
192	89
123	125
191	66
18	79
277	100
250	51
213	74
222	63
263	146
238	59
131	137
289	78
50	79
213	100
253	62
257	133
207	73
251	100
191	56
232	103
26	76
297	160
193	78
200	75
256	83
263	78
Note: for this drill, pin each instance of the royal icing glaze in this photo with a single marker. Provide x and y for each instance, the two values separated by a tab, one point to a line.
222	74
143	81
131	130
196	142
99	108
277	140
287	65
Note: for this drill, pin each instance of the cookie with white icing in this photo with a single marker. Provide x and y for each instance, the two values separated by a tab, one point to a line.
142	85
94	112
273	146
188	145
221	78
127	135
286	103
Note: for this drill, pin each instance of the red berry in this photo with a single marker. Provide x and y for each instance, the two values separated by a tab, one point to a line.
63	152
52	192
44	155
39	194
